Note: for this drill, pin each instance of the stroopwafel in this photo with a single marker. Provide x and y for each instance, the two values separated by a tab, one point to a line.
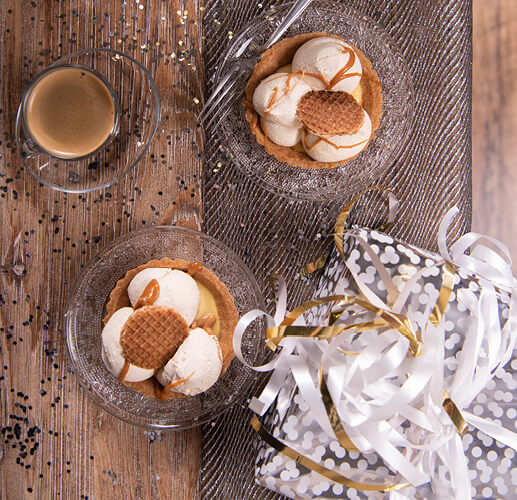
151	336
326	112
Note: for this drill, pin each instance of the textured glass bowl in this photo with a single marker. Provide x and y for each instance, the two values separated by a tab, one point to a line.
86	308
397	92
139	112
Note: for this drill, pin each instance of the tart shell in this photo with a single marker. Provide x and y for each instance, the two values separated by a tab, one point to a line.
282	53
228	315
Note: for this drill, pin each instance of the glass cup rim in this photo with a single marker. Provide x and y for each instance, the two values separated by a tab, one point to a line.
32	85
144	150
78	370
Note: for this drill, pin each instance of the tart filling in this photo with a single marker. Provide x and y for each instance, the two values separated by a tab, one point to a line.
311	87
163	319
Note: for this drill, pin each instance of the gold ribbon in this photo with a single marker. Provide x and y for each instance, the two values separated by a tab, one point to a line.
454	413
334	419
383	320
315	466
448	274
339	228
309	268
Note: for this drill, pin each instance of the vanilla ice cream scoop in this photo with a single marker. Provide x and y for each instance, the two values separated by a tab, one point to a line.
331	60
196	366
276	98
283	136
112	353
338	147
177	290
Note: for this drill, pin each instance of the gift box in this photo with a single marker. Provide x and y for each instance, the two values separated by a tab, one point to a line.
397	380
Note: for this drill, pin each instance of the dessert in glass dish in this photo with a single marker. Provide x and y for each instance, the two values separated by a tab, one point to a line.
168	329
314	101
99	301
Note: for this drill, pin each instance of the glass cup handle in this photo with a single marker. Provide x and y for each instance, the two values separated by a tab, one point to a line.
24	142
29	148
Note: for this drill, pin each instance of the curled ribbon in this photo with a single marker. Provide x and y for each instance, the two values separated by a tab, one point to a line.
367	343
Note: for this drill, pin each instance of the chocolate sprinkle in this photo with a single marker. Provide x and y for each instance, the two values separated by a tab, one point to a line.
51	235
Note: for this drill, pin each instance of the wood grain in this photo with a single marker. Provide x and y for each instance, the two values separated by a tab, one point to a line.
46	237
494	126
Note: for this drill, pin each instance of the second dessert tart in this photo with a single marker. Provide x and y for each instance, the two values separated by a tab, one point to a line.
168	329
314	101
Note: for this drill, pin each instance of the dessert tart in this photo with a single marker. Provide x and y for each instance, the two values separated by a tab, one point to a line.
168	329
313	101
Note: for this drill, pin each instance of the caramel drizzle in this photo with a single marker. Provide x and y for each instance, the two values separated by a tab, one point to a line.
194	267
271	102
342	73
288	83
275	99
338	77
177	382
124	371
323	139
149	295
206	322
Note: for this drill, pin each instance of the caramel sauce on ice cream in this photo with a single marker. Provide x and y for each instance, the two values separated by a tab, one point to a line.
216	315
149	295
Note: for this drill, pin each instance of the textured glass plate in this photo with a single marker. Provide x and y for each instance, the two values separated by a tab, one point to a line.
139	113
86	308
321	184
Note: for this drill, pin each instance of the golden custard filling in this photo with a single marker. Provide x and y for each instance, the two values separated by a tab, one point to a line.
153	332
208	305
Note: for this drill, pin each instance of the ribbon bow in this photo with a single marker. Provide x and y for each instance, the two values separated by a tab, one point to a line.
373	375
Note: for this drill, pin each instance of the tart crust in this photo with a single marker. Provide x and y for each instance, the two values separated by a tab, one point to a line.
282	53
228	315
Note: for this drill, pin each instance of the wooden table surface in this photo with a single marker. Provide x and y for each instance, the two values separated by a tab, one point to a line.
494	121
56	442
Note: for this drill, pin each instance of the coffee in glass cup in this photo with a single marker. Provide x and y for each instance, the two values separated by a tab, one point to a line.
69	112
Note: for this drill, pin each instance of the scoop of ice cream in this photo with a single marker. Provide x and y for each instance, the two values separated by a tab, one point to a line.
178	290
140	281
331	59
112	353
197	363
276	98
338	147
283	136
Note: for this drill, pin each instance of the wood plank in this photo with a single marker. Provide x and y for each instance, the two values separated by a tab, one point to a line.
494	126
65	446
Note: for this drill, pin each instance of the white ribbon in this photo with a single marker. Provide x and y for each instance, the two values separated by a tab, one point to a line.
376	386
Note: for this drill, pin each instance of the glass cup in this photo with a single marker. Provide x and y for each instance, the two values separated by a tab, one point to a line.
312	184
31	146
136	113
84	322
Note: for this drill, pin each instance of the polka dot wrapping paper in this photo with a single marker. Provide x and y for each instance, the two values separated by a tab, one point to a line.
468	353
